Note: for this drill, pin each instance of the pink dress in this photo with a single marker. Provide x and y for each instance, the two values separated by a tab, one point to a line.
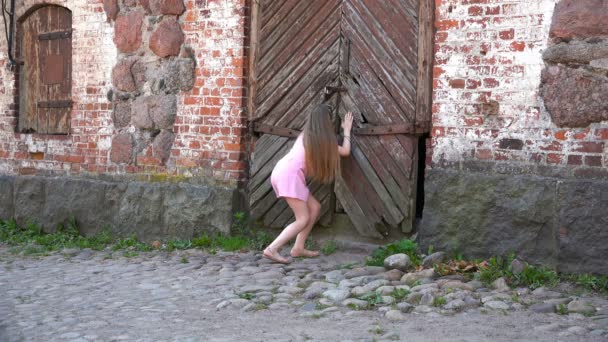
288	177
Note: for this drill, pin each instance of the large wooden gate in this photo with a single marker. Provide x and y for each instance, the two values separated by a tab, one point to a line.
366	56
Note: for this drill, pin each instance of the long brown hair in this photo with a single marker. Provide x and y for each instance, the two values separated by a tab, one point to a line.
321	145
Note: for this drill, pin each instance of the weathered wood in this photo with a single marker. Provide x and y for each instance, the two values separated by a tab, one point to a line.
381	164
425	63
263	172
55	35
368	47
360	25
253	53
276	130
391	213
358	216
392	87
386	130
266	148
46	73
286	70
55	104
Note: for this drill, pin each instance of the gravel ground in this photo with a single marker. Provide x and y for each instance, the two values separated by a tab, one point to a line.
194	296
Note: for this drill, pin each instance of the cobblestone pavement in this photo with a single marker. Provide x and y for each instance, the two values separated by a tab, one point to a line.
194	296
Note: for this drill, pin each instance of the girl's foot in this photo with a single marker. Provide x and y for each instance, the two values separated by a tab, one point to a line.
304	253
270	253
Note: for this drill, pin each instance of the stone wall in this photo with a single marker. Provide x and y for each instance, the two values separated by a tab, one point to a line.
519	145
195	129
156	142
544	220
149	210
488	107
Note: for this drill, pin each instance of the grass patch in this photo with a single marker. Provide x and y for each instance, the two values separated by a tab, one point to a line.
400	294
247	295
562	309
32	240
329	247
439	301
184	260
131	243
130	254
372	298
535	277
590	282
531	276
403	246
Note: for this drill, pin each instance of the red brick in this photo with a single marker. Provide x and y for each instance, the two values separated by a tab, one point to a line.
601	133
457	83
554	158
575	159
475	10
518	46
493	10
594	161
507	35
589	147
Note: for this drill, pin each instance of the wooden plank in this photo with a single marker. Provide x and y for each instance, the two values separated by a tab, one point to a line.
288	32
276	130
275	25
424	87
380	163
253	53
359	25
263	173
386	129
55	104
302	95
28	116
55	35
391	213
358	216
397	26
393	87
290	66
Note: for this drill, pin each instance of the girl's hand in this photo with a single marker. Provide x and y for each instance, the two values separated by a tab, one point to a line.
347	123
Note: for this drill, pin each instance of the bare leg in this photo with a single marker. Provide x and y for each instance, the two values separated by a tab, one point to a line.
300	210
314	209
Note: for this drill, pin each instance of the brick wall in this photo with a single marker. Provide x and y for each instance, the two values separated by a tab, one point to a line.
209	123
487	109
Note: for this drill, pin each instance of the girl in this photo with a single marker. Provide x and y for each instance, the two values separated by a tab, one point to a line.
315	154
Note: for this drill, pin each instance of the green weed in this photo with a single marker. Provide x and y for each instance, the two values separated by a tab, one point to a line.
439	301
403	246
329	247
400	294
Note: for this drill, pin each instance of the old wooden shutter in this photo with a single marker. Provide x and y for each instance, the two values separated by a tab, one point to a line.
360	56
46	71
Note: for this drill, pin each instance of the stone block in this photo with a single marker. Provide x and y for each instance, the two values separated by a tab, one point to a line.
128	31
161	146
167	7
122	148
167	39
111	8
178	75
7	209
484	214
122	77
29	200
574	97
579	19
576	52
583	226
122	114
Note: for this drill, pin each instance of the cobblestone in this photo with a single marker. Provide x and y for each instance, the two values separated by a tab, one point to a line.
102	296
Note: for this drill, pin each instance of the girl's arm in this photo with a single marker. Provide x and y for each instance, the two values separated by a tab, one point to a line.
347	125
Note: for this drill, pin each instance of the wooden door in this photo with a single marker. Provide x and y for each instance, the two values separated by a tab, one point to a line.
365	56
46	71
